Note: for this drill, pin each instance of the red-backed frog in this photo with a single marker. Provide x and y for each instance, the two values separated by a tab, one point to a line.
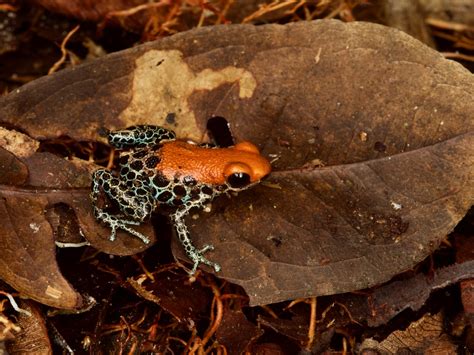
156	169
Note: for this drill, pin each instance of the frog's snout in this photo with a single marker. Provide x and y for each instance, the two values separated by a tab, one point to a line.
258	166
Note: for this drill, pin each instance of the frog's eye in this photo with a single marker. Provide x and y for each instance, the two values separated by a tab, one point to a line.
238	180
238	175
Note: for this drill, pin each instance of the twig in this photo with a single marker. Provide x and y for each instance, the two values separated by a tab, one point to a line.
459	40
446	25
131	11
63	51
312	323
218	316
15	305
456	55
275	5
7	7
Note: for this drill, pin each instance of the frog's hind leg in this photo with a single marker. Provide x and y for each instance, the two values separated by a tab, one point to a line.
139	136
135	205
196	255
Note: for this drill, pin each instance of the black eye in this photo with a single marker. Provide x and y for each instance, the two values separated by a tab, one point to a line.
238	180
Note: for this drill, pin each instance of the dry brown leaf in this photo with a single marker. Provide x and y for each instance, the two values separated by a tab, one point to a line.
380	305
236	332
33	337
389	118
38	183
425	336
172	293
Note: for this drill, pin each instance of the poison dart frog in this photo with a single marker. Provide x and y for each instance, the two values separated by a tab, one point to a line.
157	169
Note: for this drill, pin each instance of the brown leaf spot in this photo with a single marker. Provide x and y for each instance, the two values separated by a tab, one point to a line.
173	82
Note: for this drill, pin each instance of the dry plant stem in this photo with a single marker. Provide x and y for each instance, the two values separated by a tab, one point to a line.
14	304
446	25
459	41
344	345
181	341
134	10
193	343
133	348
221	18
155	26
153	331
111	271
312	323
455	55
302	3
59	339
170	20
63	51
295	302
142	319
275	5
110	163
269	311
8	325
229	296
129	330
124	325
148	274
337	10
217	318
217	309
201	19
7	7
220	349
325	312
206	5
348	313
460	37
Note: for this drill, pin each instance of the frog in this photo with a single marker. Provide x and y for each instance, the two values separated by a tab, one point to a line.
157	169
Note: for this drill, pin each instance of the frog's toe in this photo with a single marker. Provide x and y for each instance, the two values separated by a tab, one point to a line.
140	236
113	233
212	264
206	248
129	221
216	267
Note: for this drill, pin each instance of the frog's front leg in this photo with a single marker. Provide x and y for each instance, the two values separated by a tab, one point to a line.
196	255
139	136
134	204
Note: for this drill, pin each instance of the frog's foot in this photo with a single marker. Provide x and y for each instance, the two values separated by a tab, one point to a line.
197	256
117	223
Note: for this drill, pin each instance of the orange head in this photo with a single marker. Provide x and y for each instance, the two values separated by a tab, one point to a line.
239	166
247	166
